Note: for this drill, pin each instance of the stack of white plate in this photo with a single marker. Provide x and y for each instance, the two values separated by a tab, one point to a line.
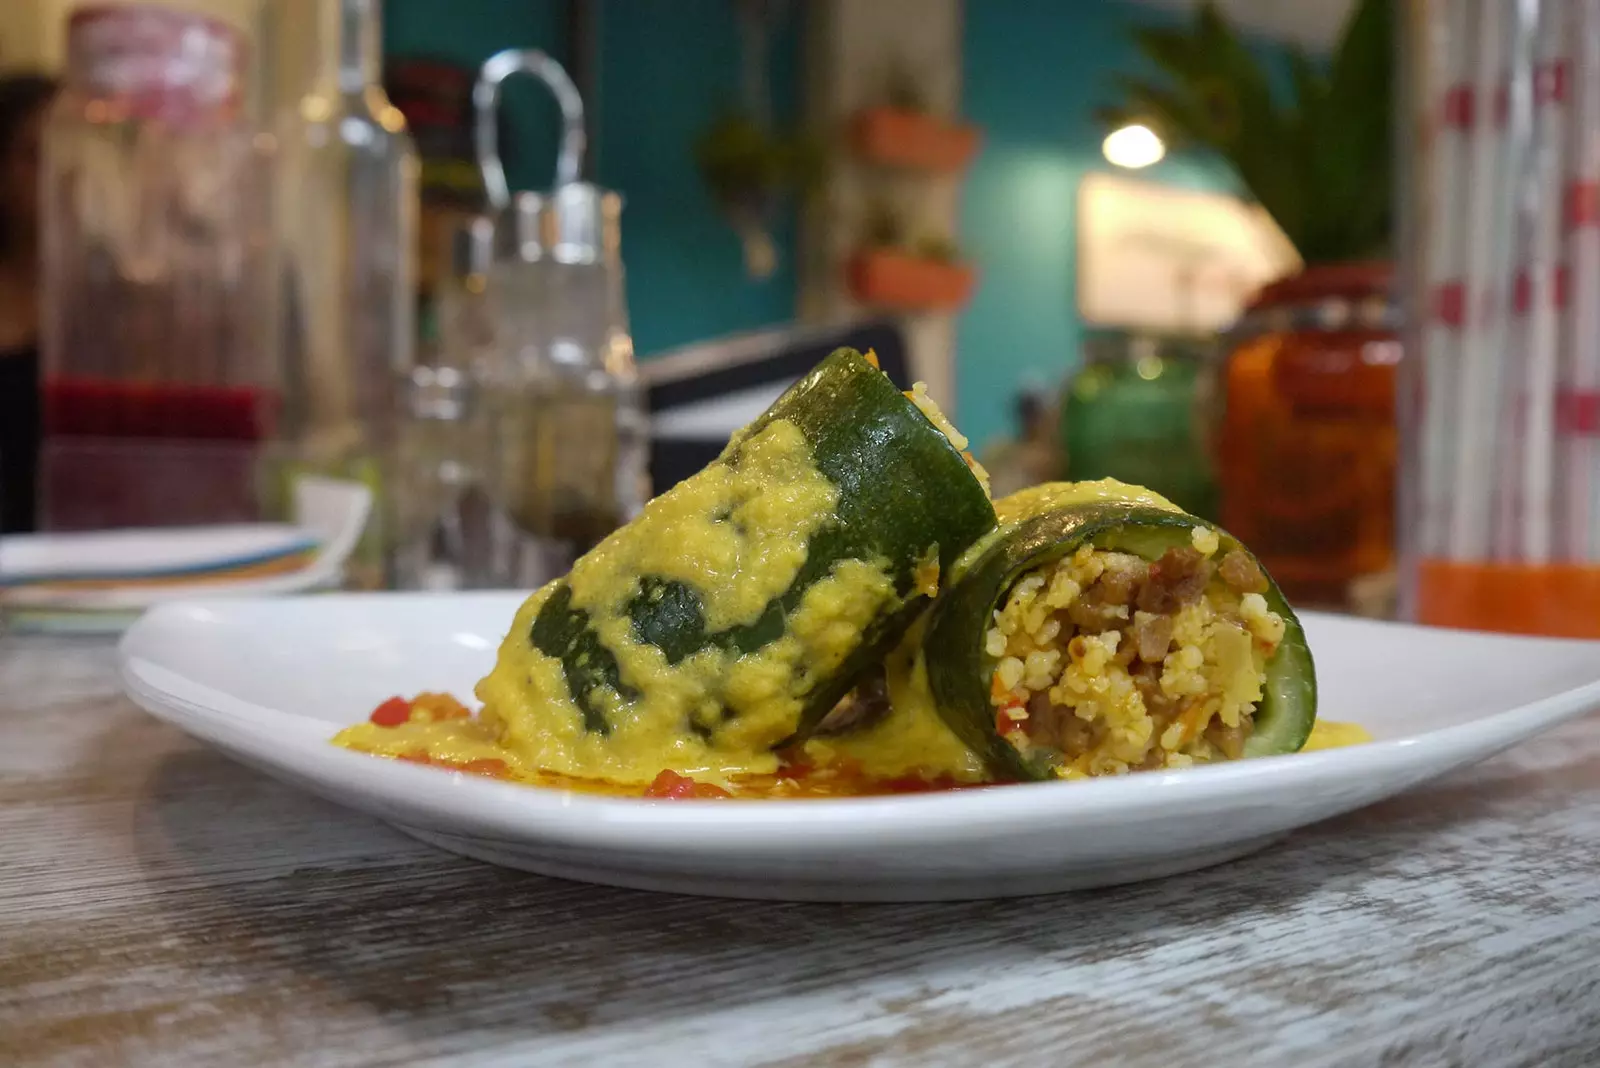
102	580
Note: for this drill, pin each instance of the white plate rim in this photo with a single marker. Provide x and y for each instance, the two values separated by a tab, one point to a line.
517	812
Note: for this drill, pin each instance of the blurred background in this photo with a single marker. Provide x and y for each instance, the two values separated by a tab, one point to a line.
433	295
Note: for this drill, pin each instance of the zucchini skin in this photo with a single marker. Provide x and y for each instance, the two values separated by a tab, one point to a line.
903	489
959	669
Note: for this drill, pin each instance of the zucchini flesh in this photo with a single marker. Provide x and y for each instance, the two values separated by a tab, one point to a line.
960	669
904	491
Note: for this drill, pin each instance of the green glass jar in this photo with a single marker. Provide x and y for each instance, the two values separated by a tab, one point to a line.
1139	411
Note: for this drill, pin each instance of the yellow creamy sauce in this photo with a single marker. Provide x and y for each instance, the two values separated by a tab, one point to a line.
910	741
1049	496
1024	504
738	536
1326	734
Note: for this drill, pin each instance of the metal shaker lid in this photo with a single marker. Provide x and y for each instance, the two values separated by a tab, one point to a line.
572	224
575	222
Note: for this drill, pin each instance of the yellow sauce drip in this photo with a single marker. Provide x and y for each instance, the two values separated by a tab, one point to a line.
1327	734
912	738
1049	496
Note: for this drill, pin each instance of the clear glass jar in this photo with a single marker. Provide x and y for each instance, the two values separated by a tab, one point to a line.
349	177
158	302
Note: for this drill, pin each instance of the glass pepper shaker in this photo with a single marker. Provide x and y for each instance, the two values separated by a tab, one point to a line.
561	396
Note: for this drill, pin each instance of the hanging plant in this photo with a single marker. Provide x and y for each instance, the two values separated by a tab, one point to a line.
751	172
751	169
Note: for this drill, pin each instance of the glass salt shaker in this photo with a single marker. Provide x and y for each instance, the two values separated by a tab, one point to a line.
561	393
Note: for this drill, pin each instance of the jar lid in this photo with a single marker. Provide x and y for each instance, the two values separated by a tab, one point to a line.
151	62
1324	297
1356	281
1106	346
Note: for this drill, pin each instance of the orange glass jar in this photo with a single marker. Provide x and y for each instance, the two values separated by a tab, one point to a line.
1308	444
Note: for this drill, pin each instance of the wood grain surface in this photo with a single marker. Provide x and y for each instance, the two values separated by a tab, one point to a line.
160	905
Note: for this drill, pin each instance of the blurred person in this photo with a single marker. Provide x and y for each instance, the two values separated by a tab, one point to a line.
23	100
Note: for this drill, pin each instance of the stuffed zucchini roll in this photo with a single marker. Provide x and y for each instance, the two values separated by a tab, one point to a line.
1101	630
738	609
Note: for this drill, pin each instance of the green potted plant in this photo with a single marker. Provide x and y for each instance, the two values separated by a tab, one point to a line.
893	269
1320	162
903	132
1306	450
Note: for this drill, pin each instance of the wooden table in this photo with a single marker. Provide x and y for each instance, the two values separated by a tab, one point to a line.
160	905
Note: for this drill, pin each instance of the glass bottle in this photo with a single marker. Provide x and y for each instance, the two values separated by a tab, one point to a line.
349	204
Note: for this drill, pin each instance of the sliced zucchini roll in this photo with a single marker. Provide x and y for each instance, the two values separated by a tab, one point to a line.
1101	630
738	609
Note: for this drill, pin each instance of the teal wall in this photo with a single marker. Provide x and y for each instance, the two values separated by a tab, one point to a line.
1034	73
666	67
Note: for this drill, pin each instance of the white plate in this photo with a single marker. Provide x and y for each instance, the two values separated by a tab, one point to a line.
269	681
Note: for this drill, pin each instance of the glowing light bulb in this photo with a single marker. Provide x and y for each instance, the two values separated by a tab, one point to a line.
1133	146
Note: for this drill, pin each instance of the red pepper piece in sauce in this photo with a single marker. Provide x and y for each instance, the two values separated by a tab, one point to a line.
392	713
1003	723
670	785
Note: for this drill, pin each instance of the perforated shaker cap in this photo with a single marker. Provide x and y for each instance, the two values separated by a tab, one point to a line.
577	223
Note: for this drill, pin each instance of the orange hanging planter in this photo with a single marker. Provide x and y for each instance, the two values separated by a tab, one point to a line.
894	279
914	139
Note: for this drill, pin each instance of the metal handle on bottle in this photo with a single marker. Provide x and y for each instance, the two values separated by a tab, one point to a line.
486	101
